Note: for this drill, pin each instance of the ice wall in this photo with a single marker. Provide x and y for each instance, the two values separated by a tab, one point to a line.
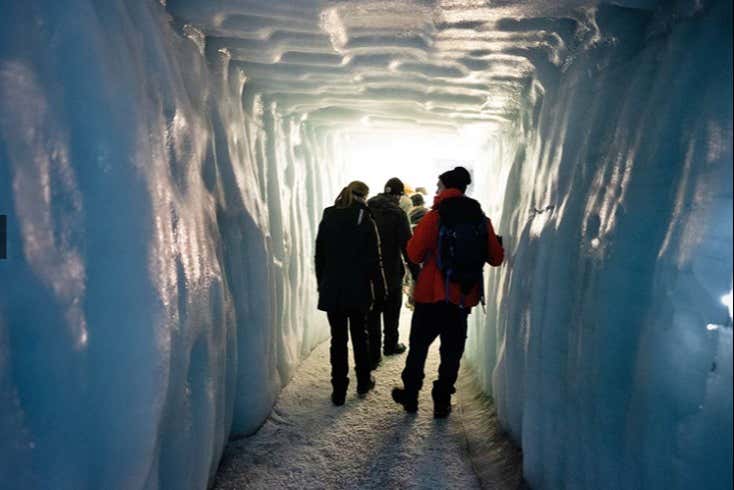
610	328
154	298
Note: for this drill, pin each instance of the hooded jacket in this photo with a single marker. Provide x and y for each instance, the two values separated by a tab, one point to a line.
423	248
394	229
348	268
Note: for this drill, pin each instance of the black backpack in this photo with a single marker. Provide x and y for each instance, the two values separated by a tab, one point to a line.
462	248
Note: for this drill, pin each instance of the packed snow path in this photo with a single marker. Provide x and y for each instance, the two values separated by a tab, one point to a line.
368	443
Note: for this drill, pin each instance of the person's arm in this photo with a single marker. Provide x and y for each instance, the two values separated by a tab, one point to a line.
424	235
404	234
377	271
496	253
320	254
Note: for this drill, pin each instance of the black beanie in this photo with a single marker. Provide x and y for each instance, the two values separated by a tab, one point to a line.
458	178
394	186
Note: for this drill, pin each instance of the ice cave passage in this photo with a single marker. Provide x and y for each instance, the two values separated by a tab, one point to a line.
163	167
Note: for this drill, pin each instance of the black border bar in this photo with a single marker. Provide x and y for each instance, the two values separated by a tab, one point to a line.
3	236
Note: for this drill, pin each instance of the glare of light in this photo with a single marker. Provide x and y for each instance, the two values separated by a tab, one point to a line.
331	24
726	300
83	338
416	157
538	224
710	327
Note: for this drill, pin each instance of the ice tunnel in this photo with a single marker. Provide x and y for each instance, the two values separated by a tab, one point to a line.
163	167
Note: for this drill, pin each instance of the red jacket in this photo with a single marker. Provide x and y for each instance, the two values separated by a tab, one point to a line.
423	247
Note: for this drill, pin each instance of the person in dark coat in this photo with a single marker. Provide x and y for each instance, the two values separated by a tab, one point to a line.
441	308
394	233
350	282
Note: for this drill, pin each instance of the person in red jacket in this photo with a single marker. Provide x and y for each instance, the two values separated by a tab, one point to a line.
442	306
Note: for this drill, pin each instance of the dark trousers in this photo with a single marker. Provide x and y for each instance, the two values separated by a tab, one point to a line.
390	316
431	320
341	324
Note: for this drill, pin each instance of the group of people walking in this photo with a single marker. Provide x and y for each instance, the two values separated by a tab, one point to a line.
363	248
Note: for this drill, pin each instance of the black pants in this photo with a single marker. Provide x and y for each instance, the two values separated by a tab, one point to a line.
356	321
390	316
431	320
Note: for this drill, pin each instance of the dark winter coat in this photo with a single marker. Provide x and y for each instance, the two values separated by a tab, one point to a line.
394	228
348	269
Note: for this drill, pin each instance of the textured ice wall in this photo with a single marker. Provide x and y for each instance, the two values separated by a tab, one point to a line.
159	249
612	337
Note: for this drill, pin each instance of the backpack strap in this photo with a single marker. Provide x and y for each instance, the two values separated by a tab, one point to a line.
441	234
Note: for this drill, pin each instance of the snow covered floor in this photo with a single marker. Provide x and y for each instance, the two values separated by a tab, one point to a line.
369	443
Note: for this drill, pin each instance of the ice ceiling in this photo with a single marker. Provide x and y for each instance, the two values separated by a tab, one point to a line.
442	63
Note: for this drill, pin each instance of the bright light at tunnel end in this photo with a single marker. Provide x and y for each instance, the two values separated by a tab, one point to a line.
416	156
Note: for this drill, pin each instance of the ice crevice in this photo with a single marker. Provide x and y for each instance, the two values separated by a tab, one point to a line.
163	167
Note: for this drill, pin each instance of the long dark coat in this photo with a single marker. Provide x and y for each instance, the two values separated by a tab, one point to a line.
394	229
348	269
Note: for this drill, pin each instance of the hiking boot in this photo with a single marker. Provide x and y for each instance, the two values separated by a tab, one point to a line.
441	405
395	349
441	410
365	387
338	397
339	391
375	363
409	401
